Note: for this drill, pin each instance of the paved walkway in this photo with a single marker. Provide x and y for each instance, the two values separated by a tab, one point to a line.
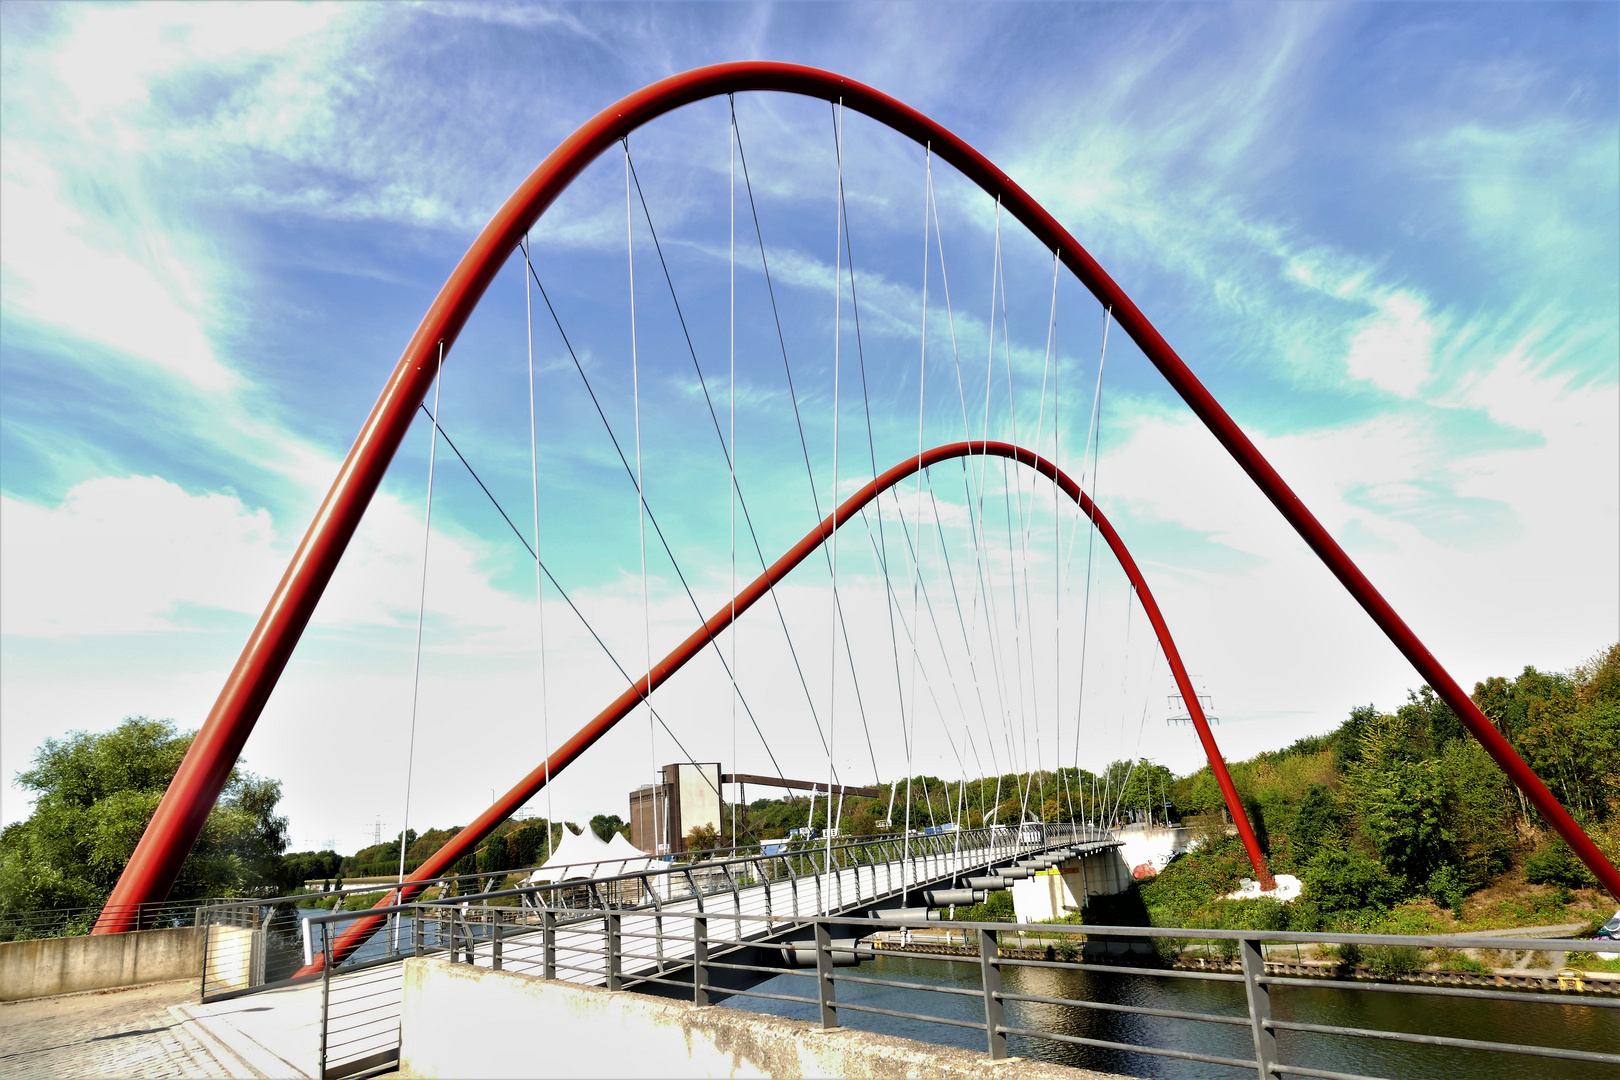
120	1033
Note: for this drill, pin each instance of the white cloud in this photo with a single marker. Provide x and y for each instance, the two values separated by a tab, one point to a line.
147	120
141	555
125	556
1392	349
70	273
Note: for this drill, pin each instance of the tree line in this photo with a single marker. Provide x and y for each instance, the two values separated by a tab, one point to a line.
1385	809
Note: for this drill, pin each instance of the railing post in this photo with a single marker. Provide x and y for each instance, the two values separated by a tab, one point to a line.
700	961
1259	995
326	988
612	945
495	946
995	1013
548	940
825	991
416	932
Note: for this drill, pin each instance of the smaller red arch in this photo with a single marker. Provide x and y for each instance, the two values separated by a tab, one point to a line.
468	838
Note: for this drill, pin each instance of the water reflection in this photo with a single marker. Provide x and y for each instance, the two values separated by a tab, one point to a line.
1569	1026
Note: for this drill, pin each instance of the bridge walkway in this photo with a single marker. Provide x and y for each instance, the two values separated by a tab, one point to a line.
350	1018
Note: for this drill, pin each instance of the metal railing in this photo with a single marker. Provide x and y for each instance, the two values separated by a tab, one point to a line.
578	929
707	952
261	943
697	957
72	922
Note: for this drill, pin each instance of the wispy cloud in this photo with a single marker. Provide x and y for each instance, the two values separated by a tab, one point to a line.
1389	245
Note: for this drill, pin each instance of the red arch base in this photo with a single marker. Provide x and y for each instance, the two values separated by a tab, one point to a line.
468	838
202	775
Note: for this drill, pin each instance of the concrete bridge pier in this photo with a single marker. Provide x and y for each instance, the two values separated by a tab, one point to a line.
1069	886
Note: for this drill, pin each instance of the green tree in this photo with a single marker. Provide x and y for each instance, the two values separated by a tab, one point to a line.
1349	882
605	825
494	856
702	838
1346	740
1555	864
1404	809
93	798
1317	826
302	866
1425	712
1481	818
529	847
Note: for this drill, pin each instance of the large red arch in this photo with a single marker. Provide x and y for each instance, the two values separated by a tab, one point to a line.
202	775
468	838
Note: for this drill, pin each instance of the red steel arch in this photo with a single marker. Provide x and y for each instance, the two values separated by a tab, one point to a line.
468	838
202	775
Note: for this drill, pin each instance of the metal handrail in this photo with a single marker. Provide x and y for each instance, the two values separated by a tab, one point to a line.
685	961
844	851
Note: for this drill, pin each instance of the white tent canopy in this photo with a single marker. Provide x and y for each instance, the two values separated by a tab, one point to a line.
634	858
586	856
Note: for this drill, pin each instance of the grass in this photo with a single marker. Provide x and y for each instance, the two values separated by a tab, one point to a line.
1581	961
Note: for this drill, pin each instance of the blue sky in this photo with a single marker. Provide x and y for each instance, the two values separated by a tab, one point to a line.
1385	235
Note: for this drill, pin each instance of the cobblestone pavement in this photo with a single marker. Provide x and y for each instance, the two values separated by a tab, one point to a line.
117	1033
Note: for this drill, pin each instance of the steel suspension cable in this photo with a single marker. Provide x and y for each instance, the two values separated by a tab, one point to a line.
539	586
421	616
832	651
974	524
725	447
641	492
962	624
652	518
1048	368
555	584
1093	441
1024	525
793	395
731	457
922	384
866	401
939	639
998	277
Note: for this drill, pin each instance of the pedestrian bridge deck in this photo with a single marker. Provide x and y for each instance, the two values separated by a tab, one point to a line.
597	927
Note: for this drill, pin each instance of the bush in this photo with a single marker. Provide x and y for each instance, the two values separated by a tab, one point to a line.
1389	960
1346	883
1448	885
1260	914
1555	864
1348	953
1169	948
1197	879
93	798
1452	960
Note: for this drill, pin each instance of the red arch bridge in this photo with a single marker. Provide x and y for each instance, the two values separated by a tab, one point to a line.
694	923
153	868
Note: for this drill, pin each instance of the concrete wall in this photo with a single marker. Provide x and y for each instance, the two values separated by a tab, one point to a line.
1155	846
46	966
463	1021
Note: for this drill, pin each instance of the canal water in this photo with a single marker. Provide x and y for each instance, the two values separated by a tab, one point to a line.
1569	1026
